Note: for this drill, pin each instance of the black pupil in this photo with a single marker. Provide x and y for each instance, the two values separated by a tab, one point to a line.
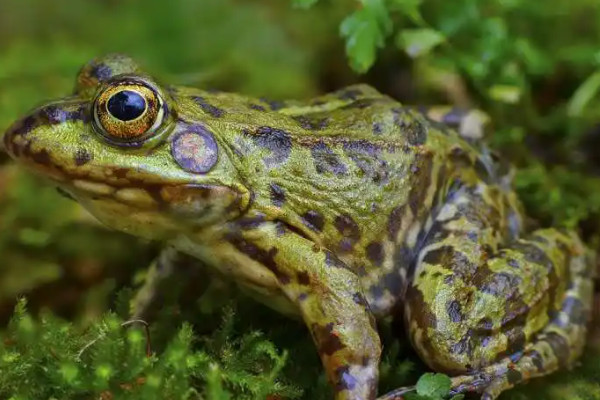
126	105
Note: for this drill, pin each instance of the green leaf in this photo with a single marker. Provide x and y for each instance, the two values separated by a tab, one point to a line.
433	386
410	8
418	42
365	31
584	94
305	4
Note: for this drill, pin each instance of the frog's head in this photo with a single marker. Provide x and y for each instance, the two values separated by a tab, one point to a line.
122	148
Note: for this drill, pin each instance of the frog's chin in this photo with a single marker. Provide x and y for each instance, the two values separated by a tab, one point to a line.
147	224
157	211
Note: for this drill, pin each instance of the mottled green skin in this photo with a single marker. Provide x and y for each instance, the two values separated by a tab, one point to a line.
341	209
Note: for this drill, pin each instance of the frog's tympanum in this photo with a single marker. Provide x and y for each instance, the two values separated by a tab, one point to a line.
341	210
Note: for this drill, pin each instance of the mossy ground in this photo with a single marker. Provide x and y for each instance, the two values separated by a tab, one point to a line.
533	66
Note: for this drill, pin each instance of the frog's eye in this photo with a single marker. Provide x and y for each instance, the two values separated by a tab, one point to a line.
128	112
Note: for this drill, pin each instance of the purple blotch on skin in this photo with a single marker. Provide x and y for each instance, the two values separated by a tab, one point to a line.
194	149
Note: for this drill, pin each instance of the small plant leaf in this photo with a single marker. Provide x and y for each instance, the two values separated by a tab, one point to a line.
584	94
418	42
365	31
433	386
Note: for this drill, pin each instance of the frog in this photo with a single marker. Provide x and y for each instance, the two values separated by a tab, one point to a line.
342	210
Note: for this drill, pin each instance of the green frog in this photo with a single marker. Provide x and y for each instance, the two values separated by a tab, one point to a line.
340	210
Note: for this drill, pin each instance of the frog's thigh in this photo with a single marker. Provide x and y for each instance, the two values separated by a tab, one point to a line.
473	306
167	276
330	300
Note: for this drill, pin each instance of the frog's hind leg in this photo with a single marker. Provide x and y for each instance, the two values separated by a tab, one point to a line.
490	314
556	347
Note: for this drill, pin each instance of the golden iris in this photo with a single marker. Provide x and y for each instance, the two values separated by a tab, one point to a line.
128	111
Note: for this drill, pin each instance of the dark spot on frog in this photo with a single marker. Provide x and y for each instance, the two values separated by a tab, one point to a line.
360	299
459	157
394	283
424	318
534	254
248	223
264	257
194	149
312	124
346	245
359	104
515	339
421	182
56	115
277	141
454	311
41	157
327	339
349	229
464	345
375	253
536	359
326	160
257	107
376	292
314	220
208	108
454	117
377	129
302	297
439	256
366	157
501	284
413	129
82	157
275	105
349	94
345	380
303	278
485	324
395	222
277	195
560	348
101	72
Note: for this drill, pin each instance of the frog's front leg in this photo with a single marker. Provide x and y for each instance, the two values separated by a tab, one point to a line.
496	313
330	299
166	277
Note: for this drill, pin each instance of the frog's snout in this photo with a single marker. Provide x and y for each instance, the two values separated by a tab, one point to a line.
16	141
29	138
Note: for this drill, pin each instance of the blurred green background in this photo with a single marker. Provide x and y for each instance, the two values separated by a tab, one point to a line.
533	66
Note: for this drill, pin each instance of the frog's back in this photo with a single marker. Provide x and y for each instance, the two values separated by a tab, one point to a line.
354	171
